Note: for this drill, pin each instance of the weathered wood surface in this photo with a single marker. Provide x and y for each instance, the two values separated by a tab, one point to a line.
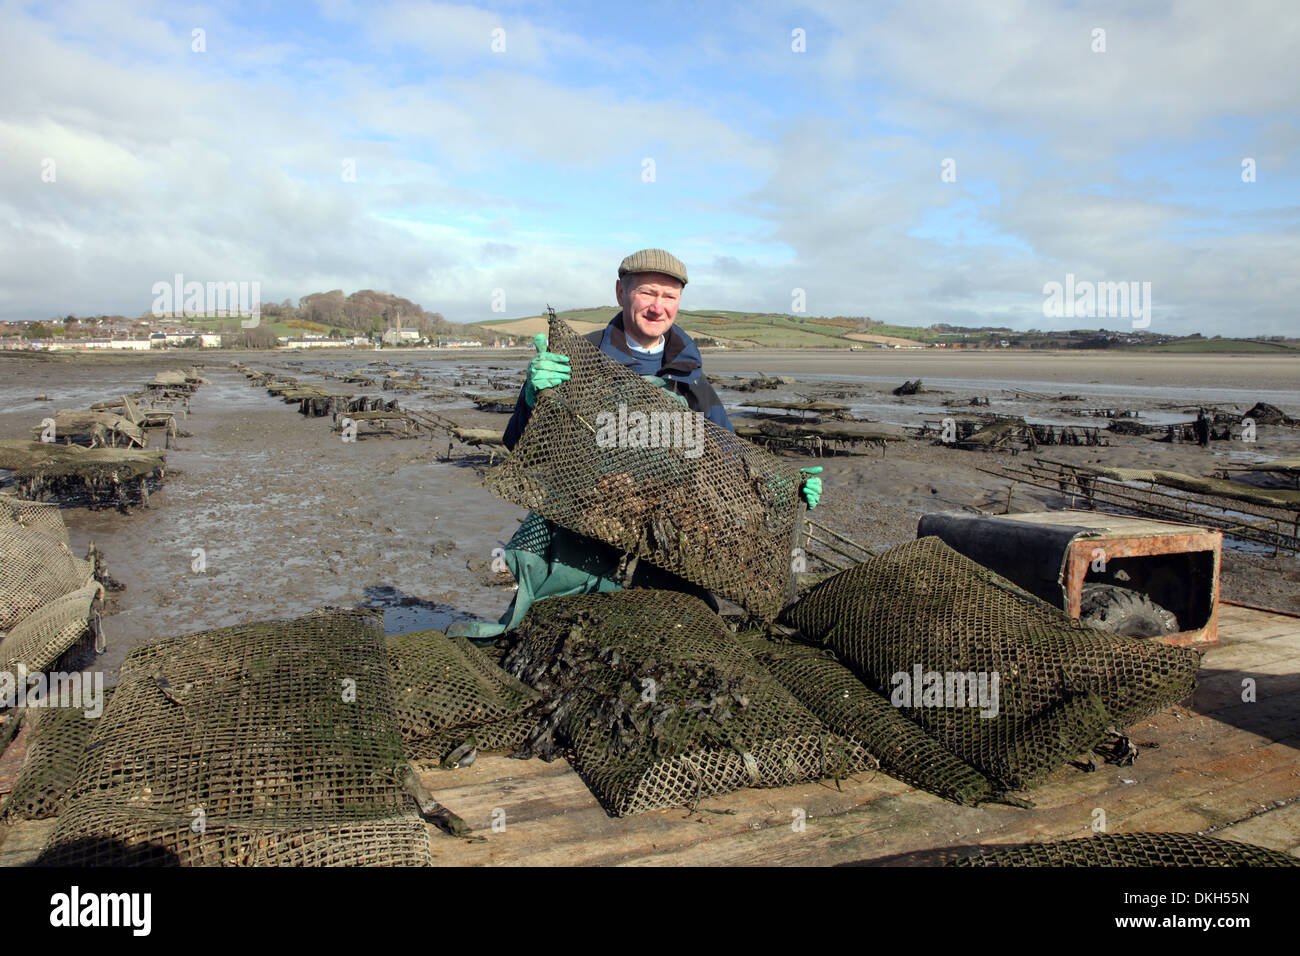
1218	764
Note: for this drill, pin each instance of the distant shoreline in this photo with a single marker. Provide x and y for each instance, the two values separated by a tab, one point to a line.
193	356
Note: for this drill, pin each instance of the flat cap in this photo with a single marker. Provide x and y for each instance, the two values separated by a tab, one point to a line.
653	260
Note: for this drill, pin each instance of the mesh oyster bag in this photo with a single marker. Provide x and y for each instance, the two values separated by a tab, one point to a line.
446	692
36	564
59	736
611	457
927	627
41	638
42	516
1130	849
267	743
847	706
47	595
661	706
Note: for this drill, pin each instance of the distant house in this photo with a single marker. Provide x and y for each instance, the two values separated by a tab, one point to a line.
137	345
315	342
401	336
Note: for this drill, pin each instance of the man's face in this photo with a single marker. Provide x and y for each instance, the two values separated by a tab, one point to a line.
649	302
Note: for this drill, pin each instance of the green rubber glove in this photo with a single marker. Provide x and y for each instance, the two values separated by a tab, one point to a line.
811	489
662	384
546	370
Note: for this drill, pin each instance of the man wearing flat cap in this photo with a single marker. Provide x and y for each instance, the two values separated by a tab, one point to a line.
547	560
642	337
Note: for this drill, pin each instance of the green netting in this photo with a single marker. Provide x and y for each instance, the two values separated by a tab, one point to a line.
47	595
273	742
616	459
36	566
42	637
447	693
42	516
660	705
57	740
923	625
532	535
1130	849
848	707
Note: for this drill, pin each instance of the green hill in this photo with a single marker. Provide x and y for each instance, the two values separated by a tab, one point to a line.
734	329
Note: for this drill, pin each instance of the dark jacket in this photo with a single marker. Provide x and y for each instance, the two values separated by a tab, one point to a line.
679	363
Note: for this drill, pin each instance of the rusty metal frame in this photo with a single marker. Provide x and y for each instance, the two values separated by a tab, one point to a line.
1079	557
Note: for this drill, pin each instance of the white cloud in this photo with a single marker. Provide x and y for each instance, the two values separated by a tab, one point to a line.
227	165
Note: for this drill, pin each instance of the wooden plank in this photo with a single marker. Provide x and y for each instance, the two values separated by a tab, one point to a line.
11	761
1266	644
1256	631
21	843
581	832
1222	691
1242	625
1243	665
1275	666
1238	612
1168	791
1277	828
898	823
1258	780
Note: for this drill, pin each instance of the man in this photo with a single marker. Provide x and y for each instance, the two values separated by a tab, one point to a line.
547	560
641	337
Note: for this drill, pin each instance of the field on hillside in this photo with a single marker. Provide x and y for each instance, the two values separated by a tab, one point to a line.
537	323
881	339
1220	345
733	329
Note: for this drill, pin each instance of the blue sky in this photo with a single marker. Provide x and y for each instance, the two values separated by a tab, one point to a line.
523	169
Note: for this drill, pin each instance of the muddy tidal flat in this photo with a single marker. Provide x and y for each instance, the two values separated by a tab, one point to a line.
288	518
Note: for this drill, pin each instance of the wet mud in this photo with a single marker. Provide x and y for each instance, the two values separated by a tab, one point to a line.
267	513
